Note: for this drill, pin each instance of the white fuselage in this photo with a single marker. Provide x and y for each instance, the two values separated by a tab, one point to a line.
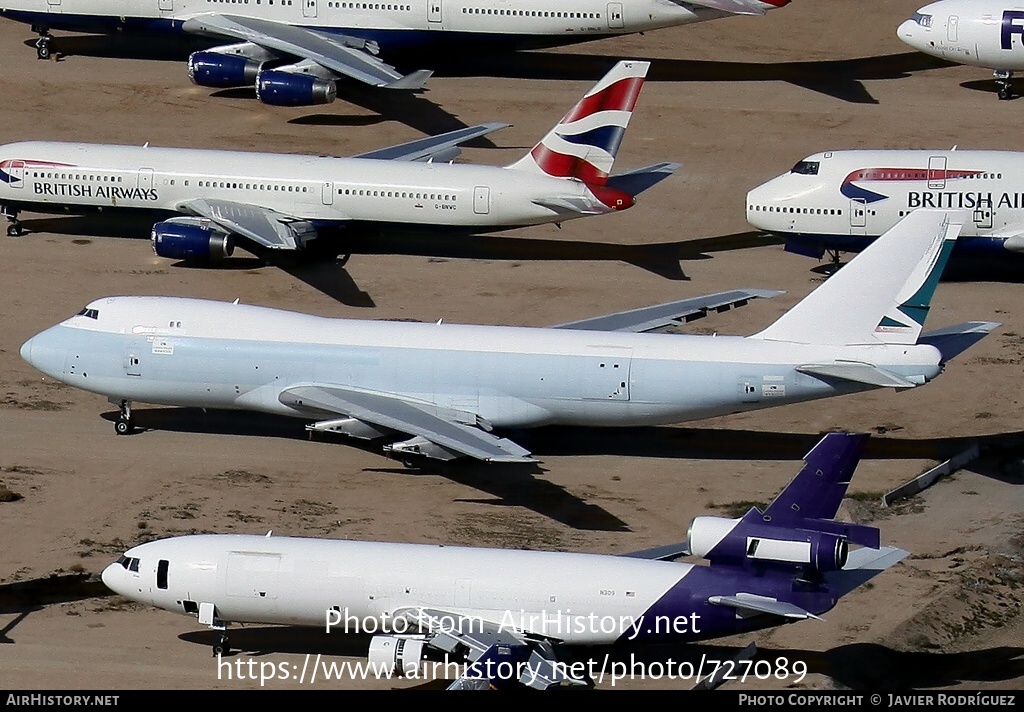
850	197
51	175
394	25
576	598
981	33
210	354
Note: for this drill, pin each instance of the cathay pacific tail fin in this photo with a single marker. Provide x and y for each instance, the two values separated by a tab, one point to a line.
883	294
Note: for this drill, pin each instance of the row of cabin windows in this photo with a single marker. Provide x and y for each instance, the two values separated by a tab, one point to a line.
930	175
396	194
252	186
802	211
530	13
246	2
78	176
369	6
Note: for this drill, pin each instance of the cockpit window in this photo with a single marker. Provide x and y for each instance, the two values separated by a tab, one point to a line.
89	313
123	561
133	565
922	19
807	168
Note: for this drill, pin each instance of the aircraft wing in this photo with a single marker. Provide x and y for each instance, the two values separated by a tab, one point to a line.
672	313
347	56
486	645
442	147
454	432
265	227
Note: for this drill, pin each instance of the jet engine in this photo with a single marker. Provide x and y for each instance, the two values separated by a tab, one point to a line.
737	540
282	88
391	654
190	239
235	65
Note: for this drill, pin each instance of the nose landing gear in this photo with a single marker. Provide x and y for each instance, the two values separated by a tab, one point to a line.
124	425
15	228
43	43
1003	77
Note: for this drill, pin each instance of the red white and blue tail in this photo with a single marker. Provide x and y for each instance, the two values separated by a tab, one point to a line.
584	143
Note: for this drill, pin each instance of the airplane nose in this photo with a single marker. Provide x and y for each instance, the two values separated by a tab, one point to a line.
46	352
112	578
26	351
907	32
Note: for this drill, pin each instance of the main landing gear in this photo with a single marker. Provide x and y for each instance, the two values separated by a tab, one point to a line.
14	229
124	424
43	43
1003	77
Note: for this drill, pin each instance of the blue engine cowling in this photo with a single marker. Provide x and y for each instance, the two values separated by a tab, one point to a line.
290	89
222	71
191	242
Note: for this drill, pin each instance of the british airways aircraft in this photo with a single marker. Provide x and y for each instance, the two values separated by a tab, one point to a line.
293	51
979	33
272	204
506	613
840	201
442	391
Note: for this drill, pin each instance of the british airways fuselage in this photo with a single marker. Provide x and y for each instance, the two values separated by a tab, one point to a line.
53	176
843	200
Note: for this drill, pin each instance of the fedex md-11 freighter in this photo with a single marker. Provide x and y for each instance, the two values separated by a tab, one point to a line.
272	203
293	51
440	390
791	562
840	201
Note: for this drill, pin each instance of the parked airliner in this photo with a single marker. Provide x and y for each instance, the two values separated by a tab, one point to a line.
442	390
840	201
505	613
979	33
293	51
272	203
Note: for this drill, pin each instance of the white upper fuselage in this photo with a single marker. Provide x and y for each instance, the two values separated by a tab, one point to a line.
89	176
563	22
863	193
211	354
981	33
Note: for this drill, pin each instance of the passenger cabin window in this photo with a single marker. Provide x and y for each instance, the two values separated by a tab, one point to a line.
89	313
807	168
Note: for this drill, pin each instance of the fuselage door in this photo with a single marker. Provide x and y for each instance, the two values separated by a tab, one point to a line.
434	12
983	217
606	377
145	177
953	28
615	16
17	172
858	213
481	200
327	193
936	172
309	8
166	5
53	5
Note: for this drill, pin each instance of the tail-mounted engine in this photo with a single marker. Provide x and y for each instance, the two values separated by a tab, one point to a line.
736	541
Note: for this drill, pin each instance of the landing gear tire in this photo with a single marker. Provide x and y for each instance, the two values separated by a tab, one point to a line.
221	647
124	426
43	46
1003	78
1005	92
15	230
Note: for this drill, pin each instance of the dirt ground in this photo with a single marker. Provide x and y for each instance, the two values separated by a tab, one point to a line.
736	101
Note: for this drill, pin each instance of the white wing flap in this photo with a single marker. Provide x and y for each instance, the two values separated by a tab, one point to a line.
405	416
670	314
347	56
265	227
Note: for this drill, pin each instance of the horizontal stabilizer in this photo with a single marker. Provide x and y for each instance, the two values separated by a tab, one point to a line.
436	147
567	206
862	565
954	340
733	7
637	181
750	604
857	372
668	552
671	313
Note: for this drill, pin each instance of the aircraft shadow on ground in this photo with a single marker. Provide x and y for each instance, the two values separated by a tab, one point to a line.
856	666
509	485
25	597
989	86
1007	267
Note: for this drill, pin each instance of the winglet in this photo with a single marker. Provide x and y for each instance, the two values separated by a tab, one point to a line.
415	80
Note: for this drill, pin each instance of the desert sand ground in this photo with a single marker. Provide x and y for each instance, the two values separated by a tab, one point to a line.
737	101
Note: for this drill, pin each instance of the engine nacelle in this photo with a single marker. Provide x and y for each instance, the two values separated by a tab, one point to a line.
222	71
189	239
391	654
280	88
736	540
